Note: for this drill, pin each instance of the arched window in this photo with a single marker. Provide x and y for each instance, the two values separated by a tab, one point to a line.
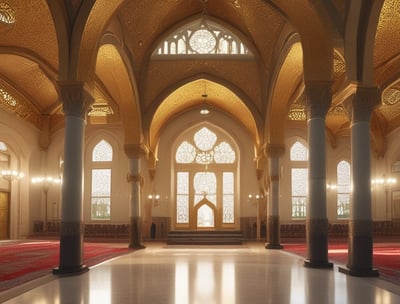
343	189
205	166
3	147
202	37
102	156
299	179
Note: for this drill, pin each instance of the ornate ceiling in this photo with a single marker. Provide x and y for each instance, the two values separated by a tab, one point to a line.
42	42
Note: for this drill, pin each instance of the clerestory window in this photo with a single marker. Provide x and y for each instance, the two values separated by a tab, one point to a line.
202	37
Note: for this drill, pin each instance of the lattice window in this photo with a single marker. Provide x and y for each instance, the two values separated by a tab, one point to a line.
101	193
343	189
228	205
186	153
205	148
202	38
299	179
205	185
182	198
298	152
299	192
102	156
102	152
224	154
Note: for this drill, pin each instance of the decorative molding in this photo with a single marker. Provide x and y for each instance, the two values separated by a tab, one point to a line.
318	98
135	178
76	100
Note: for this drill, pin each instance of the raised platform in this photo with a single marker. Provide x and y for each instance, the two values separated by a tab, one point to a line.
205	237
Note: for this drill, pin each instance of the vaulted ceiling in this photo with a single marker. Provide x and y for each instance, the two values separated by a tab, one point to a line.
108	44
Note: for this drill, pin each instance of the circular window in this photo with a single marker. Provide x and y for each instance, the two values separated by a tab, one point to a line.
7	14
202	41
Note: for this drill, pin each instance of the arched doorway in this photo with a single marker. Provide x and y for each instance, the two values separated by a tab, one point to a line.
205	215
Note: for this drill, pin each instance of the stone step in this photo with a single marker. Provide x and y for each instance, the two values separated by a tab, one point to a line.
205	237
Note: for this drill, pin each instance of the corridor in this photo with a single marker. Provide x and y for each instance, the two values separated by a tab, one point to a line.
217	274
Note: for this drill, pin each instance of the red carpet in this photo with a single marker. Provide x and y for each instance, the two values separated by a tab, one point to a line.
21	262
386	256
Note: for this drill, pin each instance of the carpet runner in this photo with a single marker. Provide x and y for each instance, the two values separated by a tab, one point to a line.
21	262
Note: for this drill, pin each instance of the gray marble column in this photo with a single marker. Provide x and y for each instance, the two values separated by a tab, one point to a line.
318	100
273	225
75	104
136	181
360	224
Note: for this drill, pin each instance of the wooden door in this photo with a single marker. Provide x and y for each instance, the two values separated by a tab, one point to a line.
4	215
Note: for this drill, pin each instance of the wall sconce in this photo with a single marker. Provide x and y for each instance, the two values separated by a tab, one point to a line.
331	187
154	199
255	199
46	183
11	175
386	184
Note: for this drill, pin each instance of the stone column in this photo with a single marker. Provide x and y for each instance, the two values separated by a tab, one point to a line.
318	100
273	226
75	104
136	181
360	224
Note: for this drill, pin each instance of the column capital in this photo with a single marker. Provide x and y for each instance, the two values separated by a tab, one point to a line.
135	150
318	98
363	103
135	178
274	150
75	99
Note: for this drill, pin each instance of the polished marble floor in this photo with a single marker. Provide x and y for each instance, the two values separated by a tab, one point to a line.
247	274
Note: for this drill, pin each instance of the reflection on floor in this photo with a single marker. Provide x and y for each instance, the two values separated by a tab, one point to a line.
206	274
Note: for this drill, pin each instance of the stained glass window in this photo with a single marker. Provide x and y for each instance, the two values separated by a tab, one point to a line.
102	152
299	192
298	152
202	38
182	203
343	189
101	193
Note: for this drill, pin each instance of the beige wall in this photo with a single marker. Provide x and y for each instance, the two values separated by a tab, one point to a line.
27	199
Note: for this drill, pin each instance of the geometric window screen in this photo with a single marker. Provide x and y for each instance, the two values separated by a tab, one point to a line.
217	159
343	189
102	152
102	156
299	179
101	194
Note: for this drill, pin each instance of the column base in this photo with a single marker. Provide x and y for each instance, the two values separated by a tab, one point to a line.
273	246
137	246
318	264
372	272
70	270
